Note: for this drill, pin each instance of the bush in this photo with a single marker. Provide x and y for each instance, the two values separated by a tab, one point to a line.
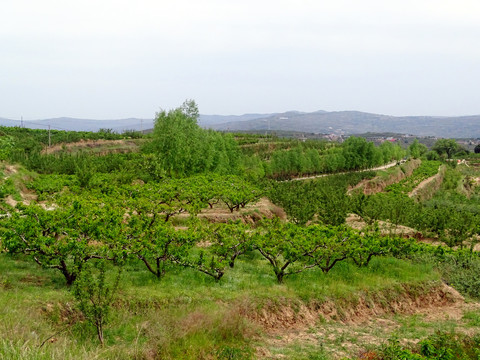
95	295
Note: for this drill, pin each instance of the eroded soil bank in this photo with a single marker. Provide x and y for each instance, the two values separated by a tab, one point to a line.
348	329
379	183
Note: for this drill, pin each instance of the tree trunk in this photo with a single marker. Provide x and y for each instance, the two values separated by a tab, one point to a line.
280	274
99	326
70	277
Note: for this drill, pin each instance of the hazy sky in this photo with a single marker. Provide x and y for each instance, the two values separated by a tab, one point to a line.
115	59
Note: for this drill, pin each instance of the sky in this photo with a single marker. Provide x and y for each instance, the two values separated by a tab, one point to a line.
111	59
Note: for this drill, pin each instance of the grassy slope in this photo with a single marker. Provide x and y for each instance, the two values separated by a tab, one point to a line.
186	315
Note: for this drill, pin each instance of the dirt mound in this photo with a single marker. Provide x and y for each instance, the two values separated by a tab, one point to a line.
23	194
250	213
439	300
9	200
386	228
10	169
109	145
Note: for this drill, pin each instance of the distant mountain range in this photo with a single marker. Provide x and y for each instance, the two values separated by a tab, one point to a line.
355	122
337	122
72	124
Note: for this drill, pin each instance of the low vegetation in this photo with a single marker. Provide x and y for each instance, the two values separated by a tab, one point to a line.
109	254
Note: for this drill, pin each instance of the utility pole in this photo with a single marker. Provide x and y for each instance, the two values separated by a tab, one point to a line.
141	126
49	139
21	123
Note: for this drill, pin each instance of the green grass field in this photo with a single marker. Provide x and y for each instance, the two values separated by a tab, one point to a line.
186	315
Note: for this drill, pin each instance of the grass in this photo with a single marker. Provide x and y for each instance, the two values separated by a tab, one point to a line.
185	315
334	340
424	171
13	183
472	318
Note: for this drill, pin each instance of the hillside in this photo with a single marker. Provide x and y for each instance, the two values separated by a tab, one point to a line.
73	124
194	244
337	122
355	122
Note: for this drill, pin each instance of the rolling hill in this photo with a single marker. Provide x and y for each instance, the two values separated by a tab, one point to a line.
336	122
355	122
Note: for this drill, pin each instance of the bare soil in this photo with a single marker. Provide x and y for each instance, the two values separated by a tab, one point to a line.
439	301
120	146
10	169
378	184
249	214
428	186
386	228
361	325
9	200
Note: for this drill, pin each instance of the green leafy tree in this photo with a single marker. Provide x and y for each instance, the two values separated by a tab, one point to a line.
417	150
281	245
358	153
63	239
299	199
330	245
237	193
314	161
446	147
367	245
185	149
156	243
177	138
230	240
166	199
335	162
460	227
208	263
370	208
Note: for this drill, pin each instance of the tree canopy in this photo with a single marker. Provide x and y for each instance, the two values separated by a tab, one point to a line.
446	147
184	148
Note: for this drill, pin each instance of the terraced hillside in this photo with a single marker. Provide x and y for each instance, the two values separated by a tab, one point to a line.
116	255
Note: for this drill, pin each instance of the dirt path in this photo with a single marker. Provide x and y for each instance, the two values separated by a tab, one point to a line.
383	167
424	184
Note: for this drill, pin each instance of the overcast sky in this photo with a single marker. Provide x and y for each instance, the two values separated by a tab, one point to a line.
107	59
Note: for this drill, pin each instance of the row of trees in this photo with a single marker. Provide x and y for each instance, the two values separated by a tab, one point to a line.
30	141
354	154
450	216
323	199
84	238
69	237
